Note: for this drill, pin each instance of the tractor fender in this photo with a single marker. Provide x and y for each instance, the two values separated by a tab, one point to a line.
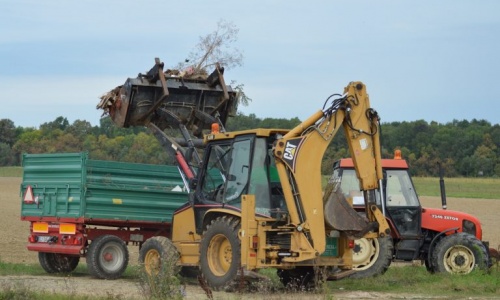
436	239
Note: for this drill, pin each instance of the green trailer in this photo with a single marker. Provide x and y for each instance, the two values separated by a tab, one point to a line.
79	207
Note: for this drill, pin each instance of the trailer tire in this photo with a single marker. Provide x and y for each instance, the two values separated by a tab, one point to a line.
58	263
372	257
107	257
220	250
459	253
159	255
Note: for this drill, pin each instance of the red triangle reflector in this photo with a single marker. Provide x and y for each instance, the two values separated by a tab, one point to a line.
28	196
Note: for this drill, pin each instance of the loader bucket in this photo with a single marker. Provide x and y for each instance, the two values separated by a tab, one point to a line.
340	215
169	99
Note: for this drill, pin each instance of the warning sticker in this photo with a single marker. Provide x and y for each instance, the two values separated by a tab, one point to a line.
28	196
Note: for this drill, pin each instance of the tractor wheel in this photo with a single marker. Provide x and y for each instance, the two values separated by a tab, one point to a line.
298	279
220	251
58	263
107	257
459	253
372	257
159	255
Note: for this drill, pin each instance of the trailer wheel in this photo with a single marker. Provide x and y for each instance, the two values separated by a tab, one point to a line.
157	255
107	257
220	252
58	263
459	253
372	257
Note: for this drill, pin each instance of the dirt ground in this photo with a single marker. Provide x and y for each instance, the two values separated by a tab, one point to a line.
14	233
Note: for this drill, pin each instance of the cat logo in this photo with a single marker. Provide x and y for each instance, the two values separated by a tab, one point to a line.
289	151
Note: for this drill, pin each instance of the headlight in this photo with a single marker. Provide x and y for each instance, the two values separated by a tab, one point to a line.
469	227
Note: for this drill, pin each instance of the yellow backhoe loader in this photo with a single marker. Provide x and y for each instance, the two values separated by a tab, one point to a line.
256	198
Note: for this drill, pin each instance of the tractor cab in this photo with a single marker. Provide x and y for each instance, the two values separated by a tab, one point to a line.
401	205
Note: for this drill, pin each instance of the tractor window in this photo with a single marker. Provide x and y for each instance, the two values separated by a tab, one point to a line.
238	172
399	189
259	178
349	185
215	174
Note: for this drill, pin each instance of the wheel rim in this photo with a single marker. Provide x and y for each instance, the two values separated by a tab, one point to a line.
111	257
219	256
365	253
152	262
459	259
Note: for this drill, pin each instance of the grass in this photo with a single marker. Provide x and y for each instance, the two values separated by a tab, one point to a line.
407	281
11	171
415	280
482	188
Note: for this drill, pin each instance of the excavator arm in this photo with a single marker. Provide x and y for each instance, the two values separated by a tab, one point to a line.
298	160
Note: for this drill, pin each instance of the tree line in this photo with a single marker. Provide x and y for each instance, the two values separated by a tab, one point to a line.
462	148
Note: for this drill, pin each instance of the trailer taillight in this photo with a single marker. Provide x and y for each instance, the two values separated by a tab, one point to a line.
351	244
32	238
77	241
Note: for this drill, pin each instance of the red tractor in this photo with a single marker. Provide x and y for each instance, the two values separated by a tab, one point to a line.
445	240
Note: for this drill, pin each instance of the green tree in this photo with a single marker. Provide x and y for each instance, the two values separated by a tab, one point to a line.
59	123
7	132
6	157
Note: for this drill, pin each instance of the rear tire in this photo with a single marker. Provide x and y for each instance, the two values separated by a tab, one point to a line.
58	263
220	252
459	253
107	257
159	255
372	257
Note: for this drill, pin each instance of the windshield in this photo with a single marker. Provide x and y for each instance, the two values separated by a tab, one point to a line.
398	189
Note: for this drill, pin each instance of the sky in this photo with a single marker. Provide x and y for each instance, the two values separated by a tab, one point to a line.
420	60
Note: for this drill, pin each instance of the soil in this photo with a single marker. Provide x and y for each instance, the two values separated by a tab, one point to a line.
14	233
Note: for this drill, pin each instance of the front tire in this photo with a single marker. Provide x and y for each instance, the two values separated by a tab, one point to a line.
220	252
159	255
58	263
459	253
372	257
107	257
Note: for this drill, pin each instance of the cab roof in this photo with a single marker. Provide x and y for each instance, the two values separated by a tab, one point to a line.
386	163
265	132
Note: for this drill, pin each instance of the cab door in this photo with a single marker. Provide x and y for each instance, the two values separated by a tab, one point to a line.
402	203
